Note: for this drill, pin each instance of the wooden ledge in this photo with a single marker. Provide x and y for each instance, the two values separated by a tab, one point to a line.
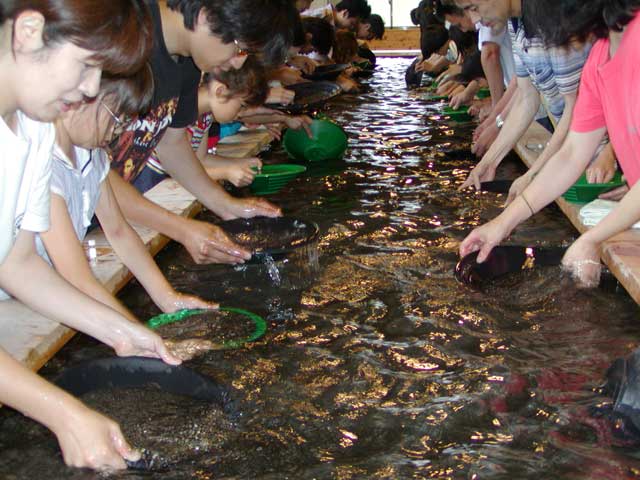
622	252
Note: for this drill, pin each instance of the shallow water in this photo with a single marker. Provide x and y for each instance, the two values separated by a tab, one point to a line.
378	364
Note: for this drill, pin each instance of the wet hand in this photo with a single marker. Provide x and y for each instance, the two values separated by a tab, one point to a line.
208	243
136	340
484	171
518	186
254	207
483	239
89	439
582	261
186	350
175	301
485	140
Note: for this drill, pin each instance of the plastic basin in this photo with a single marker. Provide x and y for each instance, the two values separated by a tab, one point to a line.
583	192
459	115
329	142
272	178
483	93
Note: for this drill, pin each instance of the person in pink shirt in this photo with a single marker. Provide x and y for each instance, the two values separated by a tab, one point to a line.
606	102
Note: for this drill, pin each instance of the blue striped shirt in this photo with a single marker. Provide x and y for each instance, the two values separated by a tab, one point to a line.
554	71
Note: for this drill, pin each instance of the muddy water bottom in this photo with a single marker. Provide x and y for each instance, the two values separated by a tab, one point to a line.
377	364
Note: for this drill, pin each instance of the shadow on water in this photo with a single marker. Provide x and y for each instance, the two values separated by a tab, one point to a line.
377	363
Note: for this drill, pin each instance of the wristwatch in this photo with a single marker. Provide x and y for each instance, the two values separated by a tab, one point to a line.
499	121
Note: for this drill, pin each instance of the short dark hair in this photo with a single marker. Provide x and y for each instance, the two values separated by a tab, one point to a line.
299	38
423	15
432	39
323	35
472	67
130	96
263	25
377	25
444	7
119	32
250	81
559	23
467	42
355	8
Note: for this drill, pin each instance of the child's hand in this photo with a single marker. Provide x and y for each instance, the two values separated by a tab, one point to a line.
299	121
136	340
280	95
89	439
303	63
240	175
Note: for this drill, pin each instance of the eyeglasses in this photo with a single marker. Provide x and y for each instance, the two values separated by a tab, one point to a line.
118	125
241	52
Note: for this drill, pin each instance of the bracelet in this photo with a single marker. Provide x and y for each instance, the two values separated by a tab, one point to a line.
528	204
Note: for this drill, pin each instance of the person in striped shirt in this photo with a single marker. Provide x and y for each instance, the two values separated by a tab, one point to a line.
548	75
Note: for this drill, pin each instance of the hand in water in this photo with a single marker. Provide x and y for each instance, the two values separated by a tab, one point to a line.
484	171
210	244
89	439
483	239
485	140
136	340
254	207
175	301
186	350
582	260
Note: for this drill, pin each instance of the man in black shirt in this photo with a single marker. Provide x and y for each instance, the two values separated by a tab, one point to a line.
191	36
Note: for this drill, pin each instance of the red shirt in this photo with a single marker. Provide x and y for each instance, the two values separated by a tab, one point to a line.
609	97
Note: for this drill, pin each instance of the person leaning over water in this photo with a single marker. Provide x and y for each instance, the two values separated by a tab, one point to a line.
69	43
607	102
192	36
80	188
552	72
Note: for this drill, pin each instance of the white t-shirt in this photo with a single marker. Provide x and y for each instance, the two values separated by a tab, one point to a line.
25	164
79	186
503	39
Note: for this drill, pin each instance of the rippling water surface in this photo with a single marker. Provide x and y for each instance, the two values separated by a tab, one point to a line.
380	365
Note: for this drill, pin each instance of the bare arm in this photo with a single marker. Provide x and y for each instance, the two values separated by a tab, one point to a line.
133	253
490	59
205	242
180	161
560	172
68	257
525	106
87	439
